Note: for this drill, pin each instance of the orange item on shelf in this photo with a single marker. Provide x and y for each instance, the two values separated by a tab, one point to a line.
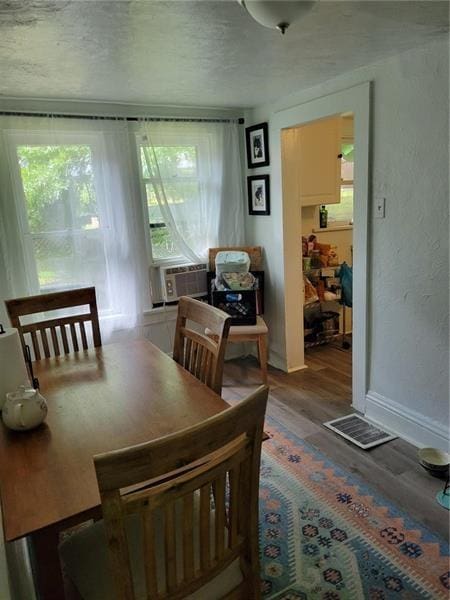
324	248
310	291
333	259
320	290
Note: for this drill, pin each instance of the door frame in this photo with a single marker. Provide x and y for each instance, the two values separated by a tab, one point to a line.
356	100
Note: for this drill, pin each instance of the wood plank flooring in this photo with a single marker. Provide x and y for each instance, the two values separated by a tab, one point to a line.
305	399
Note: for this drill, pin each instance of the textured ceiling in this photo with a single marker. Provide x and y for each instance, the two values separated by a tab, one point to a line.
195	53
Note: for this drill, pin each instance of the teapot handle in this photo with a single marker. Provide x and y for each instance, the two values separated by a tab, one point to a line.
18	414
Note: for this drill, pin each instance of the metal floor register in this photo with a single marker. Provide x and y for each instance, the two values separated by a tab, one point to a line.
358	430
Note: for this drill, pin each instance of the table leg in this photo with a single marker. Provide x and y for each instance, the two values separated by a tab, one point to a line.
46	564
262	353
45	561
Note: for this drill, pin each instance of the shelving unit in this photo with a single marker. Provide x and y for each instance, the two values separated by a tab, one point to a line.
324	324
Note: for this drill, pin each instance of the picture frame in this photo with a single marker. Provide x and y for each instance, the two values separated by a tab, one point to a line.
258	189
257	142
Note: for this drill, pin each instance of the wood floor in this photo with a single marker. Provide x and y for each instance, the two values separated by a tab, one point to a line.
305	399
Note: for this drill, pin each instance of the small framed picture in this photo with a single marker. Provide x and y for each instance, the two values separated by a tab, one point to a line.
258	194
257	140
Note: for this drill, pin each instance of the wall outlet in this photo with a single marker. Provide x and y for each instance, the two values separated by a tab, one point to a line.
380	208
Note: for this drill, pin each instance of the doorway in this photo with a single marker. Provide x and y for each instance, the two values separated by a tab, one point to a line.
354	101
318	169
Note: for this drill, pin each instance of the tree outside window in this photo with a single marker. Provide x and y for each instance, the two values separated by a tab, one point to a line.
63	223
177	167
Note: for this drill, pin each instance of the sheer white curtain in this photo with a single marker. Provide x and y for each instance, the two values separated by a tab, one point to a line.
194	171
71	215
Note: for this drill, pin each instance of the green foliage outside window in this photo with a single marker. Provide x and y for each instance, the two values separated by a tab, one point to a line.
61	205
61	209
176	166
58	184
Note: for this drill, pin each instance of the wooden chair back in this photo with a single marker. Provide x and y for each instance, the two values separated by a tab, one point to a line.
20	307
197	353
169	483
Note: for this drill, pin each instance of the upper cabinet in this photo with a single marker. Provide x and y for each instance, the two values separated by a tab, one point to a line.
313	153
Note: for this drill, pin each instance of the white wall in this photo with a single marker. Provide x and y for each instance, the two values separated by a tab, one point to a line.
408	278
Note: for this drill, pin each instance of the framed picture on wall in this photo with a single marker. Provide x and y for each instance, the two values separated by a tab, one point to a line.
257	141
258	187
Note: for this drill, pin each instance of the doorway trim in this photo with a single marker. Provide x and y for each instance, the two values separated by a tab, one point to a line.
357	101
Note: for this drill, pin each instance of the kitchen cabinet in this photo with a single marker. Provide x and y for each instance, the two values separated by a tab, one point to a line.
316	149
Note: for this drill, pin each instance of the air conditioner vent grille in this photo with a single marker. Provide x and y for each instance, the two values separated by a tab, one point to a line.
183	280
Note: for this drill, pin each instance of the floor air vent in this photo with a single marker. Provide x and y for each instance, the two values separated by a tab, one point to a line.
359	431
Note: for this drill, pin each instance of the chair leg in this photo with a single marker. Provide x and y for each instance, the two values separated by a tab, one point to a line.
262	352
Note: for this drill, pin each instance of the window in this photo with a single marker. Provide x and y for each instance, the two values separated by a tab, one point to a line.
176	167
340	215
71	207
59	212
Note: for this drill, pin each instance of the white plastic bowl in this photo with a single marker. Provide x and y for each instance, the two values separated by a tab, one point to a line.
434	459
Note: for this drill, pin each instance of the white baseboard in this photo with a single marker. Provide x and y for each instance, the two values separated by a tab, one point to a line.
295	369
410	425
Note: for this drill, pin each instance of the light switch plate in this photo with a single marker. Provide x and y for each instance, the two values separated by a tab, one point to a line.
380	208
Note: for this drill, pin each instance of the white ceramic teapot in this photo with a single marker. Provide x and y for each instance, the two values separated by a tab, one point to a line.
24	409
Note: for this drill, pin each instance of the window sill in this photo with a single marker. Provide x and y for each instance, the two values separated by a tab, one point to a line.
336	228
167	262
159	315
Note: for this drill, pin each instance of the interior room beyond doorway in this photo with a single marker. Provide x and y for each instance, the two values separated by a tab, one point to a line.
321	154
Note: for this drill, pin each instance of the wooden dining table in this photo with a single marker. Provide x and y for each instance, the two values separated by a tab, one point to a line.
98	400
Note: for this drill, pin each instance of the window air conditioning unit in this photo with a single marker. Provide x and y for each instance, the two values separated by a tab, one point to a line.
183	280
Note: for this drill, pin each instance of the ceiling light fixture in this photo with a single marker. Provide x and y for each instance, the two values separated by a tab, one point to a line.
276	14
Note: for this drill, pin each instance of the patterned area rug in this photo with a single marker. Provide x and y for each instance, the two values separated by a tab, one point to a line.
326	535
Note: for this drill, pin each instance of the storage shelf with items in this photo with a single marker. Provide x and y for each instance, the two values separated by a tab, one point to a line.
322	288
323	307
320	326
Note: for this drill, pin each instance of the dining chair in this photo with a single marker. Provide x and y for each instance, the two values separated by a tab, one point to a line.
20	307
250	333
180	515
196	352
